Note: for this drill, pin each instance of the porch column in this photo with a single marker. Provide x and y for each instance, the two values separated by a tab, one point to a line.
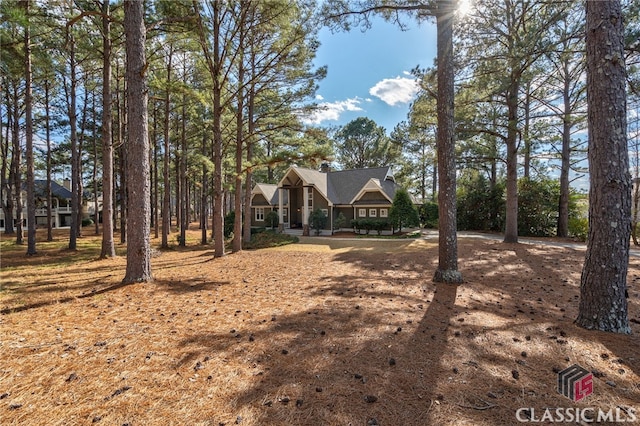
281	209
331	219
305	210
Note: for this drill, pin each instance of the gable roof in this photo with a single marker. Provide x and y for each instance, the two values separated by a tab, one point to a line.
309	177
346	185
269	192
57	190
342	187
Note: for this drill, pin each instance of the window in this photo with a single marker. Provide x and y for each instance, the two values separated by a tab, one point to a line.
362	212
259	214
310	198
325	212
373	213
384	213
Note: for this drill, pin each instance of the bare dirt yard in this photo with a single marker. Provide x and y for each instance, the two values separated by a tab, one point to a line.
323	332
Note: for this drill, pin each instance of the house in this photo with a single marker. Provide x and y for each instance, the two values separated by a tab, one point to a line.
60	208
357	194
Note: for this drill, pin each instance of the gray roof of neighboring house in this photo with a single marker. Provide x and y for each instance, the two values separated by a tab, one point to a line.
57	190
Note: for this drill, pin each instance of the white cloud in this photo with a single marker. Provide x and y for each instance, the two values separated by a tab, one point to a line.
319	98
399	90
332	110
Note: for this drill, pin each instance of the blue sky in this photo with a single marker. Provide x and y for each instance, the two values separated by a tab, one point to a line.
368	72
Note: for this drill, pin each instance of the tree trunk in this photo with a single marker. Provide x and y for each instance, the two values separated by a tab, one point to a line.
238	193
138	184
6	181
218	190
81	138
182	167
448	241
108	246
47	121
122	164
511	225
526	133
73	232
603	305
31	198
166	201
154	173
565	162
96	210
204	200
246	237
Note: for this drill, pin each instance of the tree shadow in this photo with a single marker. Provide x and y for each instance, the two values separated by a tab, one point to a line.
65	299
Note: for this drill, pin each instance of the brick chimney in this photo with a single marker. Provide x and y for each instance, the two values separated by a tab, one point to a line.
325	167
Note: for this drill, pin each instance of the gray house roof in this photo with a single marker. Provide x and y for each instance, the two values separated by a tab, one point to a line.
269	192
57	190
344	185
338	187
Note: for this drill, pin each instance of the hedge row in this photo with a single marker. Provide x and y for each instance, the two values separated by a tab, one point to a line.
370	224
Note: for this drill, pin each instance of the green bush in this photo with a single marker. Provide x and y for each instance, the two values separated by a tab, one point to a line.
480	206
228	224
317	220
538	207
428	213
87	221
340	222
579	228
272	219
258	230
270	238
380	225
368	225
403	212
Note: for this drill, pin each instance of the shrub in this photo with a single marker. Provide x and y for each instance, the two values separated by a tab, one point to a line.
272	219
380	225
317	220
270	238
340	221
429	214
369	225
228	224
87	221
480	206
579	228
403	212
538	207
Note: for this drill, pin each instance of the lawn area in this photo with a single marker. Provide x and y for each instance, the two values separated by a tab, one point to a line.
323	332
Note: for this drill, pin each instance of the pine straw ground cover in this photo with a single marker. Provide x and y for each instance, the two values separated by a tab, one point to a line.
324	332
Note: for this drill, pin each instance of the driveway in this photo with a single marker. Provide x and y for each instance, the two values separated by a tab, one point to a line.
433	234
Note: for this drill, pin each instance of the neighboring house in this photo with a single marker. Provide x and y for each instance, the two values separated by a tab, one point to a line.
60	206
357	193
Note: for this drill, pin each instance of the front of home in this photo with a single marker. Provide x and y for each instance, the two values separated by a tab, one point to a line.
356	193
60	206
